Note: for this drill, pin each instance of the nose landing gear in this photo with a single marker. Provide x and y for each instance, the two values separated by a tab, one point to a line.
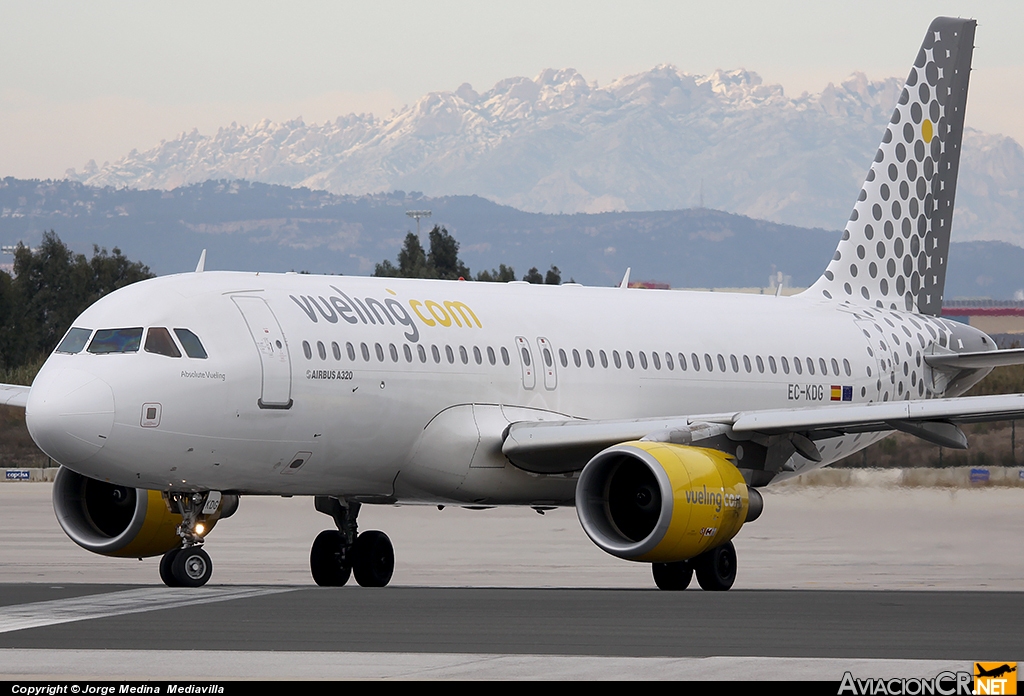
336	555
189	565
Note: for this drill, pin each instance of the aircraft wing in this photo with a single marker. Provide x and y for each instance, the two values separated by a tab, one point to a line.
14	395
548	447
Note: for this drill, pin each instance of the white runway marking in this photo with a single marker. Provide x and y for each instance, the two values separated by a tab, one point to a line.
34	614
214	664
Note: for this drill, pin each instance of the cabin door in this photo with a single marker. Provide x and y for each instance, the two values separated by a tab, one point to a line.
276	386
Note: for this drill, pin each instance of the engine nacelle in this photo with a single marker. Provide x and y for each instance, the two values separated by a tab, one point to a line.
661	502
119	521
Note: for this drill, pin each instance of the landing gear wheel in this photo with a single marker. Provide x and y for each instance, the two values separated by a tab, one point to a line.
716	569
192	567
166	568
373	559
672	576
327	559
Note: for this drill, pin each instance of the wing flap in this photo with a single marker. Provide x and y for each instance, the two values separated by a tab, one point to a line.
14	395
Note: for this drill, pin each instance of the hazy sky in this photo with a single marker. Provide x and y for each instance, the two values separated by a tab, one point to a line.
92	80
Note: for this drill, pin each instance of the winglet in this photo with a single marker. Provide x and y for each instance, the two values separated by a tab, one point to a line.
202	262
625	280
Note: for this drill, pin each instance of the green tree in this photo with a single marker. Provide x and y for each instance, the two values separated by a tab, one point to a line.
503	274
533	276
413	262
51	287
553	276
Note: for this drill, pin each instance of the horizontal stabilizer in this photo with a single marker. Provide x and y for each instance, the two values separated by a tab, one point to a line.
980	360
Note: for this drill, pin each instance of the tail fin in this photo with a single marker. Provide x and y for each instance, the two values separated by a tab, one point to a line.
894	248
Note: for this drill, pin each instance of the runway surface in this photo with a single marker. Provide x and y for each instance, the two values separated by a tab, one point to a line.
881	582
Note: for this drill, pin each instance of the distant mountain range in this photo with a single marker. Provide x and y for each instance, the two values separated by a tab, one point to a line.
658	140
251	226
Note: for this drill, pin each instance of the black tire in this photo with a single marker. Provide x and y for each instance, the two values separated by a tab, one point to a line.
373	559
327	559
192	567
716	569
672	576
167	568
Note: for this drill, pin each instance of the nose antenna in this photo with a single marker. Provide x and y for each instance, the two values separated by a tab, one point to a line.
202	262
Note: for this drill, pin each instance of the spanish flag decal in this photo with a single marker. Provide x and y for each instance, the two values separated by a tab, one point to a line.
837	393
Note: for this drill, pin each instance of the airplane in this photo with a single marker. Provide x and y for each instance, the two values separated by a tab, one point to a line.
658	414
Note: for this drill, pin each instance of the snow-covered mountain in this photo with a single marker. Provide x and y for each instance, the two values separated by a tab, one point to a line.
658	140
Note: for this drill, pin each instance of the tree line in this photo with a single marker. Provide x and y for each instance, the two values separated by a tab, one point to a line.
51	286
442	262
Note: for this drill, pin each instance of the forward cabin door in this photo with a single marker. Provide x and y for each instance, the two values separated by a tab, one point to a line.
276	386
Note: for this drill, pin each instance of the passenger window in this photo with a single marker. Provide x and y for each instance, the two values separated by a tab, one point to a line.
563	358
490	355
464	355
393	351
351	350
379	350
435	353
159	341
746	364
760	364
590	357
823	365
477	355
735	363
422	352
643	359
771	364
618	360
785	365
191	343
708	363
721	362
846	368
504	355
408	353
526	357
336	350
604	358
321	350
810	366
547	357
75	341
365	350
576	358
797	366
116	341
306	350
668	361
656	360
695	362
449	354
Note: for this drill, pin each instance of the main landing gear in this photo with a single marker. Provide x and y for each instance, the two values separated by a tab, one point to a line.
189	565
336	555
715	569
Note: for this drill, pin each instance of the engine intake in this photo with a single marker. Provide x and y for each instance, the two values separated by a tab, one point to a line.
661	502
119	521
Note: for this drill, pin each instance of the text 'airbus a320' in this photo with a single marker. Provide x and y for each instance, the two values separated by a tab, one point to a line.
658	414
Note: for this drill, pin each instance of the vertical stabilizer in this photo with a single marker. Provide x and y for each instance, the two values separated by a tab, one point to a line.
894	249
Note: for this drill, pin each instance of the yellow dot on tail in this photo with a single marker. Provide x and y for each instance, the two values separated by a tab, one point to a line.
926	131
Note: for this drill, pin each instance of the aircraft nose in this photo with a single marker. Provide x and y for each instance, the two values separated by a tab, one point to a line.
70	414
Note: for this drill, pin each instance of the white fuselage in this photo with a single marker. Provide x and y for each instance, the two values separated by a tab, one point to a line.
386	356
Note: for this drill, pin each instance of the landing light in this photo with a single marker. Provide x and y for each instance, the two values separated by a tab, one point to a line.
200	528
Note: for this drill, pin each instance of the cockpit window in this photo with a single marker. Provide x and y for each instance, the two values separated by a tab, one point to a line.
75	341
116	341
159	341
190	342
